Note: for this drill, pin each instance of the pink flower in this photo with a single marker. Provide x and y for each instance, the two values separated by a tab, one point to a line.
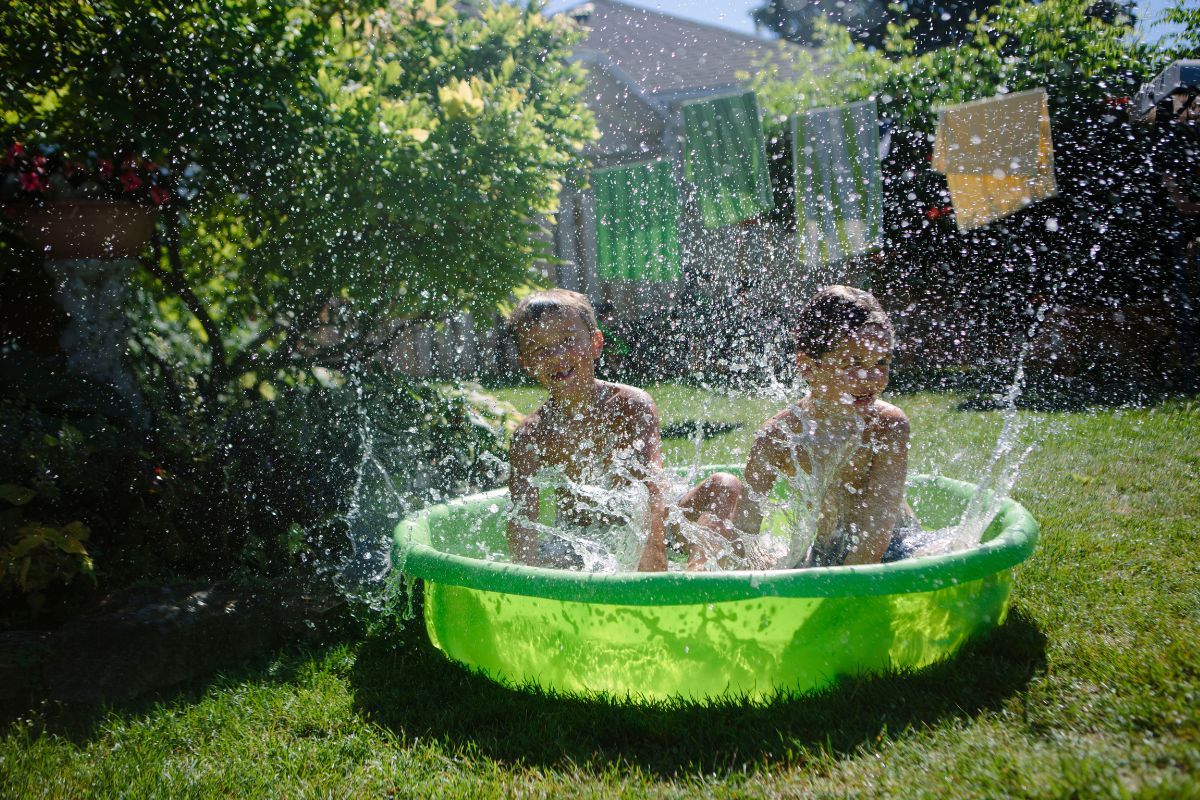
104	168
130	182
159	195
32	182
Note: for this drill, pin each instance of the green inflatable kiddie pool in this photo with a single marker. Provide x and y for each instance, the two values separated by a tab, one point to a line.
743	634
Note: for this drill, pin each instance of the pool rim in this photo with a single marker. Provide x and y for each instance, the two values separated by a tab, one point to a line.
1015	542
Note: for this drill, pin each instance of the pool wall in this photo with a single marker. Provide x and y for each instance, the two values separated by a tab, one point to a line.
649	636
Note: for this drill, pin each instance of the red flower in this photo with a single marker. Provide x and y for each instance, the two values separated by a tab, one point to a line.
39	163
32	182
932	213
129	163
130	182
159	195
104	168
946	211
17	150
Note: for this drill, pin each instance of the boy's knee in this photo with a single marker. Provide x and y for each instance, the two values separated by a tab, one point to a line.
724	485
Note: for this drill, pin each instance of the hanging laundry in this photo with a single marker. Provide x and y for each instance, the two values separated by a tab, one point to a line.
997	156
637	230
839	200
725	157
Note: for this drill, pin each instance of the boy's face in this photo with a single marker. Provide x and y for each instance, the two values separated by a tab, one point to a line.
559	352
854	373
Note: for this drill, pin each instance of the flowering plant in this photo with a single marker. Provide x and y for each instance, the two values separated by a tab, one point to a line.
35	175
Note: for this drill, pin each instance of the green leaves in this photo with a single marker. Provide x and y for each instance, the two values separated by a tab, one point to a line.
1016	45
16	495
398	156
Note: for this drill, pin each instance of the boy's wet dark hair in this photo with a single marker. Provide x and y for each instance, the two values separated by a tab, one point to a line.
832	315
536	305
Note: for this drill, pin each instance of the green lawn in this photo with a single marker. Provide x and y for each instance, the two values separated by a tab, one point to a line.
1090	689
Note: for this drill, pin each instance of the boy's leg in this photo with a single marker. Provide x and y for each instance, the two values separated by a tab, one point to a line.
712	505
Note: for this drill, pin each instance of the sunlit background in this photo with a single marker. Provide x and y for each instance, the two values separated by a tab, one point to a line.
735	14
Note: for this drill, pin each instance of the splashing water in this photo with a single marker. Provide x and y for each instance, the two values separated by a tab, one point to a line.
621	505
366	574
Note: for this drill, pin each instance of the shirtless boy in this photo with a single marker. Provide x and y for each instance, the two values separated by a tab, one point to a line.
844	347
851	445
597	433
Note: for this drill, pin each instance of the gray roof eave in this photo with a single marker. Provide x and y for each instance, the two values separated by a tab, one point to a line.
595	58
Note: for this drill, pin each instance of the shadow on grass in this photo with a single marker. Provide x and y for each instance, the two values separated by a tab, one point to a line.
81	723
404	684
688	428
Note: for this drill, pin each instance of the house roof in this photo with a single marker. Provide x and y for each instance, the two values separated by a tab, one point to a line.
666	55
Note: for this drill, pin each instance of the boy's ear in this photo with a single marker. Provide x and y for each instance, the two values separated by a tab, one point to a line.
597	343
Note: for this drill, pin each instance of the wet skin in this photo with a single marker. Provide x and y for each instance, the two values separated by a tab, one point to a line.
583	426
868	494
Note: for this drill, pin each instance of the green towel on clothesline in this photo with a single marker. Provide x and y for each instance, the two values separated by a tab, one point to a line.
725	156
637	223
839	201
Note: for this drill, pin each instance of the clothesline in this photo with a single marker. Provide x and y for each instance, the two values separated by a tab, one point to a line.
996	153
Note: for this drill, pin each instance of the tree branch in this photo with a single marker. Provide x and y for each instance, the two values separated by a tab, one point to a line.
174	281
372	349
248	356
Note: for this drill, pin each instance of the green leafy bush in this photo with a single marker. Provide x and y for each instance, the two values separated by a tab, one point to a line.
395	157
273	489
345	170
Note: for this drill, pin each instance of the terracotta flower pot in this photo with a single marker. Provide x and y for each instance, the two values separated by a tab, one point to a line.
89	228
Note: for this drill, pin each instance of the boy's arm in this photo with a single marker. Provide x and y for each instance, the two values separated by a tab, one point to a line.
522	539
654	556
874	516
642	416
767	460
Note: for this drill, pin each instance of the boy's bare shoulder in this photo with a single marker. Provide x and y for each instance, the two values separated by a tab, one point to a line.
888	419
780	425
628	400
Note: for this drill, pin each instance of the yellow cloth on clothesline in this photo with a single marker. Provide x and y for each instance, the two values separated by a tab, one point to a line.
997	156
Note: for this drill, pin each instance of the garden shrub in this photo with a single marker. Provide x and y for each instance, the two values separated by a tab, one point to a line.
269	491
344	171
